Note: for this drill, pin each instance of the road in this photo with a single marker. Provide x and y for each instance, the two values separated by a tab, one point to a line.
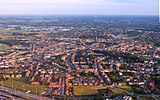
63	86
24	94
33	70
100	73
69	61
7	96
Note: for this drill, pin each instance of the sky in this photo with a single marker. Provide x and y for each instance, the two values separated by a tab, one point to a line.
79	7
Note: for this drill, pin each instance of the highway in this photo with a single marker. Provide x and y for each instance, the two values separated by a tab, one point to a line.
22	94
6	96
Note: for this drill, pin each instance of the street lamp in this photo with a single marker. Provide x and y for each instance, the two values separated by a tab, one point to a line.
24	88
15	91
36	91
12	84
2	84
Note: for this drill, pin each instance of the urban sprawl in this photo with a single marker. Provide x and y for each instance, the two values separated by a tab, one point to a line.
79	58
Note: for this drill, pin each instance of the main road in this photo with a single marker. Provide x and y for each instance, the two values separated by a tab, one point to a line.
23	94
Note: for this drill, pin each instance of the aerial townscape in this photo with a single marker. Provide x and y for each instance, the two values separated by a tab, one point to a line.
79	58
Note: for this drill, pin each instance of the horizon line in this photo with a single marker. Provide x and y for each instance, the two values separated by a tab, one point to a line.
71	15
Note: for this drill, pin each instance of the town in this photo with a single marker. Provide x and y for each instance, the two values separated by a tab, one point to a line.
81	58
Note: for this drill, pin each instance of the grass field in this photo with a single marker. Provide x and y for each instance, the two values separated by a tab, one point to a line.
2	32
87	90
8	33
19	84
91	90
3	47
117	92
125	87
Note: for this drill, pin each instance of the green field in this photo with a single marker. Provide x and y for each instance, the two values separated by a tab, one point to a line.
125	87
8	33
3	47
19	84
91	90
87	90
117	92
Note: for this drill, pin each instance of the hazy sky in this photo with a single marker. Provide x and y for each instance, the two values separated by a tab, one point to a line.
79	7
